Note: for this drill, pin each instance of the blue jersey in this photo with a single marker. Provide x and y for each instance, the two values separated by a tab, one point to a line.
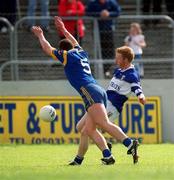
76	66
121	85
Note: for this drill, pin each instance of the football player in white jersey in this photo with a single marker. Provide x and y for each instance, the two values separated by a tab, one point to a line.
125	81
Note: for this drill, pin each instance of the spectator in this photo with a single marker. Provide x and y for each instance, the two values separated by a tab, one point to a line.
155	6
44	5
8	9
136	41
105	9
68	8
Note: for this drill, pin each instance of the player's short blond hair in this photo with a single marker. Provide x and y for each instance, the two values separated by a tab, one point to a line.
126	52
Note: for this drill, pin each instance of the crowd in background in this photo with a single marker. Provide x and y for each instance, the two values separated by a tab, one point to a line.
95	8
10	10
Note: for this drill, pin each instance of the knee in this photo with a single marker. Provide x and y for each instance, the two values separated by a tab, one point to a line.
103	124
78	127
84	132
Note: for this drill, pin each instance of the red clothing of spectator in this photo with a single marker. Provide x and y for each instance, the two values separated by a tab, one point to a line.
72	8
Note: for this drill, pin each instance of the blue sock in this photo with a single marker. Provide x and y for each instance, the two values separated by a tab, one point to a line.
127	142
106	153
78	159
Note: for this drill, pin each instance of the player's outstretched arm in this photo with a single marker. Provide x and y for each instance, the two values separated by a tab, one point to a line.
47	48
60	27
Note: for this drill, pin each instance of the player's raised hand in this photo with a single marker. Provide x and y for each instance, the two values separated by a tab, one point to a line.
60	27
37	31
59	24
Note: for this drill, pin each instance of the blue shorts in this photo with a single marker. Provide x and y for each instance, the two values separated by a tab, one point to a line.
92	94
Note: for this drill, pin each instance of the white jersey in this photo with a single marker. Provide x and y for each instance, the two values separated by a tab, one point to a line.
123	83
133	43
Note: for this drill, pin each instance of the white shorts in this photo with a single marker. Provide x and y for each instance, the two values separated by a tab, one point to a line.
112	111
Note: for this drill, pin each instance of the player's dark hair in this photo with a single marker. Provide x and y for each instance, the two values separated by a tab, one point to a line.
126	52
65	44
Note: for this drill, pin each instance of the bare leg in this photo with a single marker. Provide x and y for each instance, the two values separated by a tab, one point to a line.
83	146
88	128
97	138
94	134
81	123
99	116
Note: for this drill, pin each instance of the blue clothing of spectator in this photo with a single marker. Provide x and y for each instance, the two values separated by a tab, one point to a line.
96	7
44	5
104	9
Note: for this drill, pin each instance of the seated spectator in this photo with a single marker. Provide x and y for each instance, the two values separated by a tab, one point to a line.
105	9
8	10
70	8
44	5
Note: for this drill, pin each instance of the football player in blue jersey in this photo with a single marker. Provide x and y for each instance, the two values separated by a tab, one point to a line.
125	80
77	70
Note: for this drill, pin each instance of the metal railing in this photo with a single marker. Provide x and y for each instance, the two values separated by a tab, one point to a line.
10	28
24	19
18	62
92	62
95	40
98	67
152	17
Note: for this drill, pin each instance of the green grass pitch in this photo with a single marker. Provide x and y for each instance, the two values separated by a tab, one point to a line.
47	162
